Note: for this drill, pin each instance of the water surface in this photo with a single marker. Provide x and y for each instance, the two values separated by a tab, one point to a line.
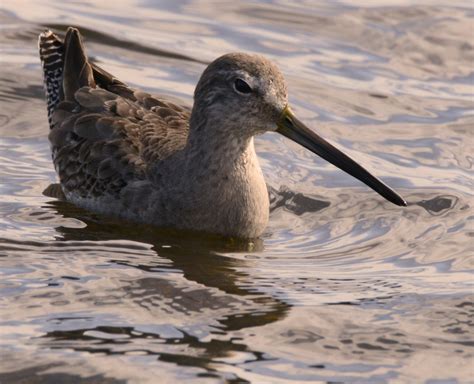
342	287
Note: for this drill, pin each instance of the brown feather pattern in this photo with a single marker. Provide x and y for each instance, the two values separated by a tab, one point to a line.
105	134
103	141
127	153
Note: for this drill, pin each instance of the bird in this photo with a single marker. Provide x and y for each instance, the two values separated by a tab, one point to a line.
126	153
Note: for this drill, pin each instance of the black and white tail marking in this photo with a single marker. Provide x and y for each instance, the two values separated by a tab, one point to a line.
51	52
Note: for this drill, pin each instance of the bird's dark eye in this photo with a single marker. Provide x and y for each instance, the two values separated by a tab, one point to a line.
241	86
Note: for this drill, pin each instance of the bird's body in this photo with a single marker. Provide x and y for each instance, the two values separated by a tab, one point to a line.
124	152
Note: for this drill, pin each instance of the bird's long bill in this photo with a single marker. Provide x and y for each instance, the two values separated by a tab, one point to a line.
295	130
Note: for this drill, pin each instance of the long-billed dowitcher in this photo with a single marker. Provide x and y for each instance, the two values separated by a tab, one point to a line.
124	152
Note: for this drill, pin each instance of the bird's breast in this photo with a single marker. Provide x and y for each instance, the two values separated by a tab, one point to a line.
232	201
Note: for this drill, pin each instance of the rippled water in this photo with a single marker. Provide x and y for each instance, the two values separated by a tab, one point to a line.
342	287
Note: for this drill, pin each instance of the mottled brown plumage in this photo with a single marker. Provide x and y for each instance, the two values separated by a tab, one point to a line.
103	138
112	148
124	152
103	141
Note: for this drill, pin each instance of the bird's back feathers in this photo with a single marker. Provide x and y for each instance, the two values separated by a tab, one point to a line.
104	134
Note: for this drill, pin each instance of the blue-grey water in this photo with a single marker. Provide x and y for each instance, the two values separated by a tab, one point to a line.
342	287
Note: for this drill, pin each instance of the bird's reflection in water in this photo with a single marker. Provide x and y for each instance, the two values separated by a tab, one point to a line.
215	297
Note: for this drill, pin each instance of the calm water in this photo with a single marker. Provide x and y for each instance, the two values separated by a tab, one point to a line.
342	287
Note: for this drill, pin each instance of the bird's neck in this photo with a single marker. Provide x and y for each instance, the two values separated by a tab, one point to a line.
219	184
216	149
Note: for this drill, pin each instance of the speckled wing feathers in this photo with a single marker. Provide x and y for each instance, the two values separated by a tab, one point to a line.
105	138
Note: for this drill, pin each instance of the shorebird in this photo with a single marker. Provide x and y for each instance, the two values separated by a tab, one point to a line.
124	152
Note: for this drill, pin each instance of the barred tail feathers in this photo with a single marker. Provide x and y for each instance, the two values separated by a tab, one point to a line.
51	51
66	67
